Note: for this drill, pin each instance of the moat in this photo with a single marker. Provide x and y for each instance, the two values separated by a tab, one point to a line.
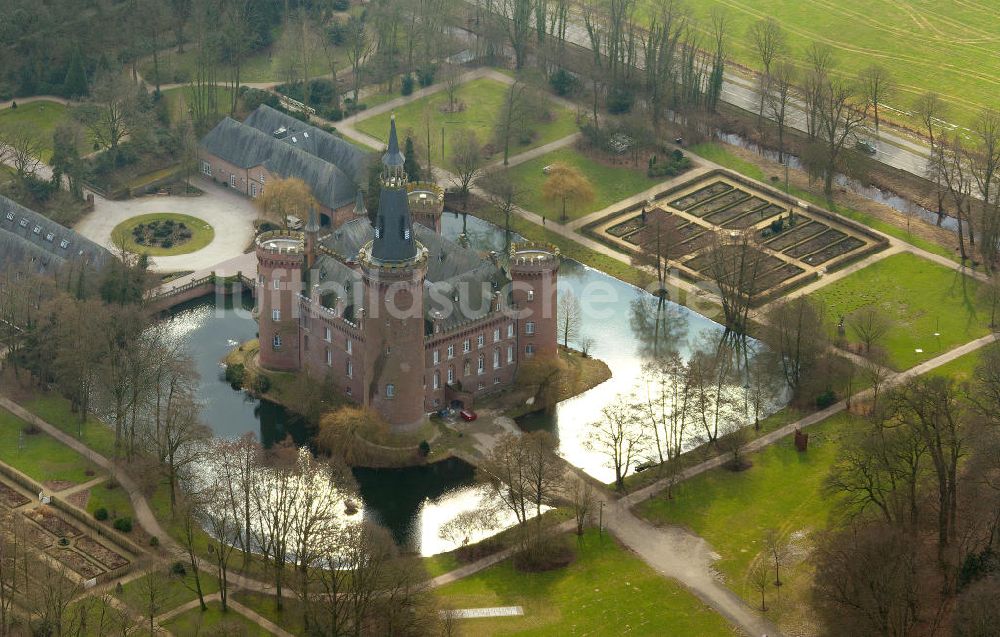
414	503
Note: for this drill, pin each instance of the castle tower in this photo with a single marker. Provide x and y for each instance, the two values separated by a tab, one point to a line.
394	265
534	273
279	282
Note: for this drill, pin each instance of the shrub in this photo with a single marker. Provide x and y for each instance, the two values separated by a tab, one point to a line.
826	399
235	375
178	569
263	384
564	83
341	5
334	114
426	75
424	448
154	541
406	86
123	524
620	101
101	514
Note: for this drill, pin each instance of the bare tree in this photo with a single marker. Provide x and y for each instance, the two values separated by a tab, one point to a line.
274	500
759	579
113	111
21	148
286	197
767	39
359	46
504	193
871	325
838	122
734	264
929	108
580	493
877	85
776	546
569	317
618	435
779	94
513	111
467	160
795	332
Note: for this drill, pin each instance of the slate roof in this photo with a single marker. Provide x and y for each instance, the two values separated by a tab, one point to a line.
451	269
28	236
332	167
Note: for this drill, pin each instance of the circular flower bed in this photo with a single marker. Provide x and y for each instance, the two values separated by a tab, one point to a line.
164	233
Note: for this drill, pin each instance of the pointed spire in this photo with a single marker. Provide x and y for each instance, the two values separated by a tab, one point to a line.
392	156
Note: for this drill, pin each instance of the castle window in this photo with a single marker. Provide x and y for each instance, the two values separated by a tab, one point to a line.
326	334
531	295
276	341
510	330
390	391
206	168
481	386
348	391
479	341
262	178
253	189
350	346
350	369
275	315
451	352
529	327
496	380
277	284
329	358
437	356
496	335
510	354
451	375
496	359
261	280
232	180
529	349
437	380
482	364
467	369
388	349
466	346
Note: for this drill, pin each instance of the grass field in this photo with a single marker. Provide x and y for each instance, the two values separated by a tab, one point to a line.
178	100
919	297
606	591
55	410
170	591
610	183
39	455
783	490
39	119
947	46
483	99
202	234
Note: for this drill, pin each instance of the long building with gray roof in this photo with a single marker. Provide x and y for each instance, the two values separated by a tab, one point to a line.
270	145
41	245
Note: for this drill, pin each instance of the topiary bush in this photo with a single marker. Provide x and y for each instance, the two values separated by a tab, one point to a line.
101	514
425	448
123	524
826	399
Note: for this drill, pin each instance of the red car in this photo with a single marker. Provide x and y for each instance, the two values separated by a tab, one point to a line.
468	415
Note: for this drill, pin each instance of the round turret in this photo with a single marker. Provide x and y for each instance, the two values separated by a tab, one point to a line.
280	256
534	273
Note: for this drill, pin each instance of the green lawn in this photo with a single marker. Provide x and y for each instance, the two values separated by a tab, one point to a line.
202	233
919	297
718	153
783	490
214	621
483	99
178	100
610	183
115	501
289	618
962	368
55	410
170	591
606	591
39	455
36	118
260	66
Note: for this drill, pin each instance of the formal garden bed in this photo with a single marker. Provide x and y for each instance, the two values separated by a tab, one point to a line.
794	244
10	498
75	562
100	553
52	522
164	233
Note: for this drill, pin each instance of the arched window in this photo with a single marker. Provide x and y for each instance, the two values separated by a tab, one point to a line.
482	362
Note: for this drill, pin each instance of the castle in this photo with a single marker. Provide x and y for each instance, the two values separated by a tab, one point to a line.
396	316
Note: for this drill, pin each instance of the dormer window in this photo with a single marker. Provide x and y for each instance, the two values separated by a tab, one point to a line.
64	244
10	216
23	222
378	232
37	230
406	234
49	237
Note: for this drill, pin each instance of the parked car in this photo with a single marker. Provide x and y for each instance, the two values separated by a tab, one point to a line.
468	415
866	147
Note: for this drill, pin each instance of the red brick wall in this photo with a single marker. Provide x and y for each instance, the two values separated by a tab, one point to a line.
287	271
535	294
492	378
